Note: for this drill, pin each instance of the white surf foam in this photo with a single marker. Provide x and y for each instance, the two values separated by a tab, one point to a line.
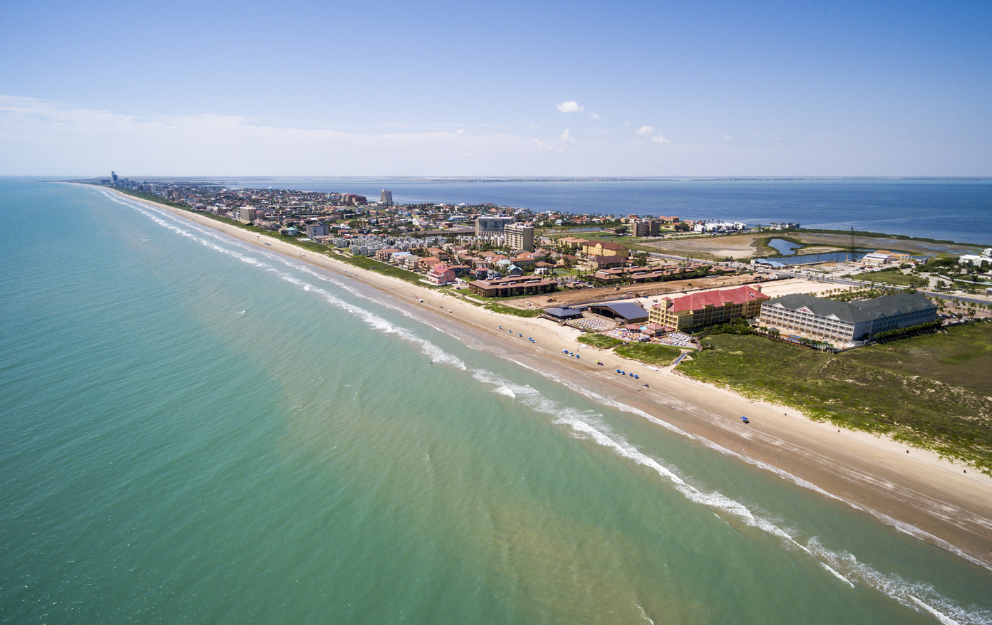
840	565
432	351
843	566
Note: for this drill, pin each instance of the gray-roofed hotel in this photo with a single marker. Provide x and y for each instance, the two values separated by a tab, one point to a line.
846	322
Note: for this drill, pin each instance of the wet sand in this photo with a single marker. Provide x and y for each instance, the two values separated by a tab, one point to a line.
917	492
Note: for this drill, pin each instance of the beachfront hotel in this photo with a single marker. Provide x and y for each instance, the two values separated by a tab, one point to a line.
846	322
698	310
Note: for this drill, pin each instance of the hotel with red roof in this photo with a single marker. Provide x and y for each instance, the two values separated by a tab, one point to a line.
697	310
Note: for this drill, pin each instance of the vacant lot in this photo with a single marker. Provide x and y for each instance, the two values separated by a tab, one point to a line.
933	391
609	293
737	246
893	276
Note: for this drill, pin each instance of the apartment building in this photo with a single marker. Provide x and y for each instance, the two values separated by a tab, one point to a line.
246	214
518	285
492	227
600	248
519	237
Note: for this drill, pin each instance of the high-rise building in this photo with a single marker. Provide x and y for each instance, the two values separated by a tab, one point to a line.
113	176
386	198
316	230
491	227
519	237
246	214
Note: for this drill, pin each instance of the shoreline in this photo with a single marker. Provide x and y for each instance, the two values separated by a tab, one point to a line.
918	493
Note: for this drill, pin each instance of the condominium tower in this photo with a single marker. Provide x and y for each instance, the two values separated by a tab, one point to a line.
519	237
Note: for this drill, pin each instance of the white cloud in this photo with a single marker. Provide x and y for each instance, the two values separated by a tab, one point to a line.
645	130
570	107
461	131
45	137
593	116
722	134
659	139
545	146
535	125
566	138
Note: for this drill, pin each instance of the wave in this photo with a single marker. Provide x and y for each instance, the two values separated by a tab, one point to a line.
432	351
845	567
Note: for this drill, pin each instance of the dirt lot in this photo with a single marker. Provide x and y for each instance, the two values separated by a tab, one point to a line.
740	246
609	293
716	247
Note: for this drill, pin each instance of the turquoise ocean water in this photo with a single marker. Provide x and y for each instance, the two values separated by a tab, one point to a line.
195	431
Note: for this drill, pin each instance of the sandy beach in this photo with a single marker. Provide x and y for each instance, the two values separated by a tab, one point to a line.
917	492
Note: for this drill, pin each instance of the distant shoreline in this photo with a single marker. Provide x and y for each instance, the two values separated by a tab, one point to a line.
913	492
485	179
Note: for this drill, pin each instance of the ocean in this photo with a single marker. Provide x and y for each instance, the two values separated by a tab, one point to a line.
950	210
194	430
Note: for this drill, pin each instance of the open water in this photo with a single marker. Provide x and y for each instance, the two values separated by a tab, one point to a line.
195	431
951	210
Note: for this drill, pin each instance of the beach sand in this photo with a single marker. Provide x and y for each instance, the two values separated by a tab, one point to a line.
917	492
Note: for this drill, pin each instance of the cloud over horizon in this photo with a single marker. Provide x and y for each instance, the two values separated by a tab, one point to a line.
50	138
570	107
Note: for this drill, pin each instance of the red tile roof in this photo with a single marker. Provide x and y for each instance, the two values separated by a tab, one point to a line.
697	301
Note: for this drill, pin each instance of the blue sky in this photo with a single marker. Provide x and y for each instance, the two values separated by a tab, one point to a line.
494	89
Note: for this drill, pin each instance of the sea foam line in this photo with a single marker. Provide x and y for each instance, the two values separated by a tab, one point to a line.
901	526
841	565
902	591
435	353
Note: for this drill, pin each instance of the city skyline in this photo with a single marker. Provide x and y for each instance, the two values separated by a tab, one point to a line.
517	90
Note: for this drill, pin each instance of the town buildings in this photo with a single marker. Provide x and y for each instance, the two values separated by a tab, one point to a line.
974	259
386	198
519	237
846	322
698	310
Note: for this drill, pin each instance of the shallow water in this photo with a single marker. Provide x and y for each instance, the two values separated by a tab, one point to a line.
196	430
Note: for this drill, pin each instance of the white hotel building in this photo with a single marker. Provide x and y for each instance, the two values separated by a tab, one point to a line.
846	322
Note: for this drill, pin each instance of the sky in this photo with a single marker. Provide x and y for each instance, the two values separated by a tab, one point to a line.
383	88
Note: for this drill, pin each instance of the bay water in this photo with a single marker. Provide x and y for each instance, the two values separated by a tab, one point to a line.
194	430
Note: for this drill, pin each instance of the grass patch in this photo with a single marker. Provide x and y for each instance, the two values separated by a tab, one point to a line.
510	310
930	391
599	340
892	276
651	353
